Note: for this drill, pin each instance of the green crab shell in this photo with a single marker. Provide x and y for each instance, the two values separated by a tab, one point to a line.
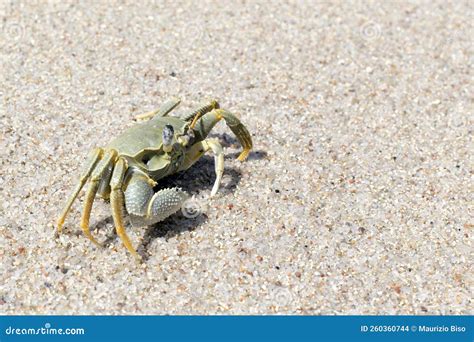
142	144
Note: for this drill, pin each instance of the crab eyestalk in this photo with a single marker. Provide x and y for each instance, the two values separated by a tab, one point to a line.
167	138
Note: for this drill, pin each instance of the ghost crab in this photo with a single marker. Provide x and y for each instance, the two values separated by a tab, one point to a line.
127	170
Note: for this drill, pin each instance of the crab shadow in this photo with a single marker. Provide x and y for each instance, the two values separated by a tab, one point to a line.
229	141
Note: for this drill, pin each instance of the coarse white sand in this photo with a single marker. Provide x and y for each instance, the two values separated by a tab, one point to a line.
357	199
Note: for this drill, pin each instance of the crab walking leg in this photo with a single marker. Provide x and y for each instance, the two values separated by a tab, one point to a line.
101	168
92	160
117	203
146	207
197	150
200	111
216	148
164	110
209	120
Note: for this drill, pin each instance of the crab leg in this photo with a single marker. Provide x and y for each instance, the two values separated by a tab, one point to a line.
209	120
216	148
200	111
164	110
101	168
117	203
197	150
92	160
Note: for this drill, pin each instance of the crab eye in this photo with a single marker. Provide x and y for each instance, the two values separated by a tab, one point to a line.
167	138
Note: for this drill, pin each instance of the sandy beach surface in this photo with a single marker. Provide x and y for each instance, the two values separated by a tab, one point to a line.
357	198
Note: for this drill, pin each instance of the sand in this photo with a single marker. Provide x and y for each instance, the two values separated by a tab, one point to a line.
357	198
